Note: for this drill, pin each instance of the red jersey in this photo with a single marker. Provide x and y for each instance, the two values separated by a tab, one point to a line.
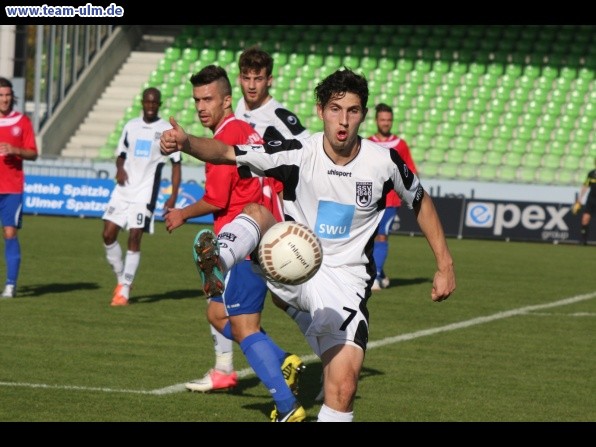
16	130
223	186
394	142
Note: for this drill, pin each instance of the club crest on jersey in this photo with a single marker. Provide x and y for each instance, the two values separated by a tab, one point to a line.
363	193
157	136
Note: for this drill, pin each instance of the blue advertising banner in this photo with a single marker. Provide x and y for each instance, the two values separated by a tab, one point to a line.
88	197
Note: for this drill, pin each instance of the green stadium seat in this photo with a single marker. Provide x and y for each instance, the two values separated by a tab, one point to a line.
488	173
466	130
428	128
571	162
549	72
489	80
585	73
586	123
521	93
523	133
405	64
508	80
416	77
539	94
496	105
421	142
435	154
451	116
570	109
491	118
534	107
493	158
526	174
467	171
575	148
566	123
455	156
434	117
479	144
580	136
506	174
532	71
510	119
515	106
428	169
551	161
477	104
474	157
576	97
556	149
495	69
503	131
512	159
483	92
459	104
532	160
441	142
471	117
448	170
517	146
542	134
460	144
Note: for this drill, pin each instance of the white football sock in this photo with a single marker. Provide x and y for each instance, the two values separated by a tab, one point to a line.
244	235
114	257
131	264
327	414
224	355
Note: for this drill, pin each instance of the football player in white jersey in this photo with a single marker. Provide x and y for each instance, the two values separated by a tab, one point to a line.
139	163
335	182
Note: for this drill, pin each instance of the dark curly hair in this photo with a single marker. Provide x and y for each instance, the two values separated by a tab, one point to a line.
337	84
255	59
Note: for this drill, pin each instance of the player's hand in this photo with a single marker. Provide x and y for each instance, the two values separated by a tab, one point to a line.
173	140
576	207
173	218
443	284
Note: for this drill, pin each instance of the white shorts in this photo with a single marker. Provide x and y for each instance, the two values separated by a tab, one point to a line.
129	215
336	300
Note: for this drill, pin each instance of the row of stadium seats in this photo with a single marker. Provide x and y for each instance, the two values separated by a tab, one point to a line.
474	113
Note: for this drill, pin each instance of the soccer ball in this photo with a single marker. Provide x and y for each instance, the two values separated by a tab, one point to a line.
290	253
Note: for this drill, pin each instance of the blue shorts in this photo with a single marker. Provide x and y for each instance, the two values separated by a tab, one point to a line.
11	210
387	220
245	290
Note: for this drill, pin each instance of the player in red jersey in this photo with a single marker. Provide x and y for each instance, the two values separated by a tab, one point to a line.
236	313
17	143
384	137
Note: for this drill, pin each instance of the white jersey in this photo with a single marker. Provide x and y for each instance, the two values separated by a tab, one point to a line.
139	143
342	204
272	121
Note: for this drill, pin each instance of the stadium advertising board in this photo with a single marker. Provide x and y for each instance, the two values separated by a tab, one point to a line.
88	197
495	219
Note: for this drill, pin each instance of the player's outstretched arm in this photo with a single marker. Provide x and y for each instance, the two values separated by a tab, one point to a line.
205	149
430	224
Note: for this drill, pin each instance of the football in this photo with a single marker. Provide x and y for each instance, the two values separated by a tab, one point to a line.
290	253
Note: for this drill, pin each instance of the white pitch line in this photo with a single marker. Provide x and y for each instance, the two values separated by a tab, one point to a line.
246	372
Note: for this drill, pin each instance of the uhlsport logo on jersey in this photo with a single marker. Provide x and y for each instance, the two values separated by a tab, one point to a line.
334	220
363	193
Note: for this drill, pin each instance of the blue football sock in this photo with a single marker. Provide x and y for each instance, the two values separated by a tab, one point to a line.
227	331
261	357
280	353
12	253
380	254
